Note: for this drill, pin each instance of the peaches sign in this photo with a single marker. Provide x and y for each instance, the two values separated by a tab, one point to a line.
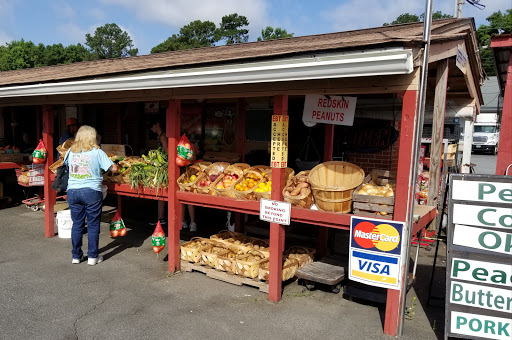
337	110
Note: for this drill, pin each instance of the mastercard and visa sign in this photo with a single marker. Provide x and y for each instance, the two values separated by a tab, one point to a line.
375	248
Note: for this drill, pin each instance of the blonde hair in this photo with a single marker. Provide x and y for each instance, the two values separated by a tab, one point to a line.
85	139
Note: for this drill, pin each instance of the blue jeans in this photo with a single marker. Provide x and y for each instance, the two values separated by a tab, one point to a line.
84	203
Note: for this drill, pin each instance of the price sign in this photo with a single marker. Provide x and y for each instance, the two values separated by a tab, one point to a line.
279	144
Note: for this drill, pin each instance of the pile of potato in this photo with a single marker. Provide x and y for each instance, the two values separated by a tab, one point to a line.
377	190
299	187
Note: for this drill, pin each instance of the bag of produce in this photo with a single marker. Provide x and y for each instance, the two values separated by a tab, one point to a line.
158	238
117	227
185	152
39	154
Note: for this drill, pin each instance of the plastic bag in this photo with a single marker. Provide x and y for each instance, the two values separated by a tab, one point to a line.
158	238
39	154
185	152
117	227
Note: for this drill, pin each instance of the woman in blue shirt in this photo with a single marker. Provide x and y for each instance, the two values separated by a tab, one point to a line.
86	160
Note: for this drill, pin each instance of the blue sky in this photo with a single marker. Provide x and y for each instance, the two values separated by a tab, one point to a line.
150	22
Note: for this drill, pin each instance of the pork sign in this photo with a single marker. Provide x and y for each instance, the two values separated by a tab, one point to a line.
479	258
336	110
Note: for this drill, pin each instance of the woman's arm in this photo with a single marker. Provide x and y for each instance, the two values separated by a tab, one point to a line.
113	168
164	141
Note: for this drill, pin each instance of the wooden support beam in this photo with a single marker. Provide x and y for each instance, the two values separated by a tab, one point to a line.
277	234
505	144
437	132
174	207
403	195
49	193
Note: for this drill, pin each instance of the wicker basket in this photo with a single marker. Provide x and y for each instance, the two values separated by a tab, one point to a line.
203	165
214	169
191	250
333	184
227	262
119	178
290	267
234	169
289	173
209	254
260	245
233	240
194	169
303	255
249	194
304	201
248	265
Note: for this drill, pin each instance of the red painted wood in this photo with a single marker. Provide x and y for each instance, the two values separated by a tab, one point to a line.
394	308
49	193
328	142
504	40
174	207
424	220
505	145
9	165
277	234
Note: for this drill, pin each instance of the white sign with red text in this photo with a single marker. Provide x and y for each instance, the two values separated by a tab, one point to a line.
336	110
275	211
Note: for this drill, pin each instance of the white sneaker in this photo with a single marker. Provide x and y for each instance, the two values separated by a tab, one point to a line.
93	261
77	261
193	226
184	225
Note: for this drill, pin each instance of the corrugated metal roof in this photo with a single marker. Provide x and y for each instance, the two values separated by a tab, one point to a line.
401	35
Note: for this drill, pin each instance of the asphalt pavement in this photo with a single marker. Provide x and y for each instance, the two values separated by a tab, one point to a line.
485	163
131	295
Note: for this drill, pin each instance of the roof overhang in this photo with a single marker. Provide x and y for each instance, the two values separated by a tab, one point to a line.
322	66
501	46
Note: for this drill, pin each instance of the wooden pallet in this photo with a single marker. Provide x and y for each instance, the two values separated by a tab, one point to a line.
223	276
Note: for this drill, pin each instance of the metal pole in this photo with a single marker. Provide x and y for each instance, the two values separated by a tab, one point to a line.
458	8
417	146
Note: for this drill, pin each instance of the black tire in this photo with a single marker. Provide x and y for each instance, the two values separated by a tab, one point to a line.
495	150
336	289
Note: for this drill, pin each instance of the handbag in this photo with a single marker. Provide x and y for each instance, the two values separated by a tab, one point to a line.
60	183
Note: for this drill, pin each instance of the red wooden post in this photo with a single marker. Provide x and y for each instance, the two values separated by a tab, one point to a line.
242	104
174	207
322	242
49	193
119	141
394	307
277	235
505	144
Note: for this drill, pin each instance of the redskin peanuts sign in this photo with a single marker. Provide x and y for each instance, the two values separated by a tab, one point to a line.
338	110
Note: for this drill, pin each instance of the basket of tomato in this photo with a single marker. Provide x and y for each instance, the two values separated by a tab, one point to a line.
265	186
245	186
225	184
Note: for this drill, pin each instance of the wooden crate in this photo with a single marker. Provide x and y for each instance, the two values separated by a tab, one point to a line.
11	157
375	206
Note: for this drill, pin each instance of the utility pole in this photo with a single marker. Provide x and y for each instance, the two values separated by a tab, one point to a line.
458	8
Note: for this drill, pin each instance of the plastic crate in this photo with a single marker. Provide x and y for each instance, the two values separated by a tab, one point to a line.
35	175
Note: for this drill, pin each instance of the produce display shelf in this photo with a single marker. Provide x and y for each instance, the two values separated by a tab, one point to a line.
9	165
126	190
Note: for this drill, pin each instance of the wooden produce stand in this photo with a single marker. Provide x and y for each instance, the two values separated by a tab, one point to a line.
373	72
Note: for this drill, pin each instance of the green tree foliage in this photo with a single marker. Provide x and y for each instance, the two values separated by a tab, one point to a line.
270	33
110	41
231	29
21	54
407	18
196	34
499	23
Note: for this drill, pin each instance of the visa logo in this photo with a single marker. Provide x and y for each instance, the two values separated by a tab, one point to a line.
374	267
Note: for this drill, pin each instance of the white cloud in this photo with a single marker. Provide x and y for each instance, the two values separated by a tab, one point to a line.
97	14
72	33
63	10
5	37
178	13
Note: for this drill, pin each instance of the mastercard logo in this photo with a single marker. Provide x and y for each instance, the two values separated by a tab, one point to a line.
383	236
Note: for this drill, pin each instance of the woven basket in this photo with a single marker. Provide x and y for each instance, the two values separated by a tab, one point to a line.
232	240
249	265
203	165
333	184
209	254
194	169
120	178
260	245
213	169
227	262
304	201
234	169
303	255
290	267
191	250
288	175
249	194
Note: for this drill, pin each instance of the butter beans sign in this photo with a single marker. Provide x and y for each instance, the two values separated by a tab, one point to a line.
479	261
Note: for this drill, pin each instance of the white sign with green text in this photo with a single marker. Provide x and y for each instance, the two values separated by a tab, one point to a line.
479	262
